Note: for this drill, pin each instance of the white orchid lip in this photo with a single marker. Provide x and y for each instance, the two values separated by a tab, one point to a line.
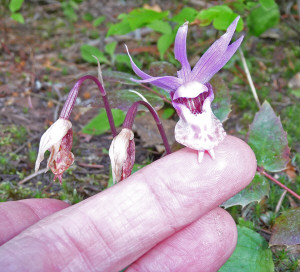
190	90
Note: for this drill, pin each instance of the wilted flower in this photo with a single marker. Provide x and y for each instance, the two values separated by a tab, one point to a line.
58	140
122	155
191	93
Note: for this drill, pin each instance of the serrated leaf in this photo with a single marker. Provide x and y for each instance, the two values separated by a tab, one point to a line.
286	230
221	106
251	254
267	4
185	15
18	17
164	43
255	191
260	19
268	140
98	21
160	26
87	52
15	5
99	124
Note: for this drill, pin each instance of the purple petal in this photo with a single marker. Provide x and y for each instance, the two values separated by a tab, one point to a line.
168	83
139	72
215	67
180	52
213	54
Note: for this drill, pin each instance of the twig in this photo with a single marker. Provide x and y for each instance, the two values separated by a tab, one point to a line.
46	98
24	145
280	201
249	78
260	170
97	166
42	171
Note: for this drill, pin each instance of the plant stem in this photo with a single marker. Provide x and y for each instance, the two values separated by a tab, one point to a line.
69	105
262	171
128	122
252	87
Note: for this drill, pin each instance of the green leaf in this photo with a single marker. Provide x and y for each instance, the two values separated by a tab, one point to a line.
286	230
164	43
88	51
221	105
88	17
137	18
119	28
222	16
255	191
260	19
110	48
99	124
167	113
98	21
141	17
296	93
15	5
268	140
267	4
185	15
160	26
18	17
251	254
123	59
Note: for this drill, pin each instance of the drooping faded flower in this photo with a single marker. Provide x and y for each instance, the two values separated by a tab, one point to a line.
191	93
58	139
122	155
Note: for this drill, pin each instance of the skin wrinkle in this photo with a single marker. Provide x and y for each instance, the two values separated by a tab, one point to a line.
8	222
102	206
178	249
165	209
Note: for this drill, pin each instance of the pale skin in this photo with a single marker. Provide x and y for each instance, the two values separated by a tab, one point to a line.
163	218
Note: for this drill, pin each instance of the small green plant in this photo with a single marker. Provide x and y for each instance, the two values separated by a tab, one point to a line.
14	7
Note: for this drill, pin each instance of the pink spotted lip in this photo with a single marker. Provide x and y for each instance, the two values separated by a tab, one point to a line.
191	93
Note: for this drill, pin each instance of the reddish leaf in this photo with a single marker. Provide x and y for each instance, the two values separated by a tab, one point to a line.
286	231
268	140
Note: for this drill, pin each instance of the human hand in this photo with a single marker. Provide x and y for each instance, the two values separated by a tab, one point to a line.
165	217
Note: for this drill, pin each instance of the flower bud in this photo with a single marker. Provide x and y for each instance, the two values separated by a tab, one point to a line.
122	155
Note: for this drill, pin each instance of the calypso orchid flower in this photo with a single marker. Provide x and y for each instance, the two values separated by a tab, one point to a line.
198	128
58	139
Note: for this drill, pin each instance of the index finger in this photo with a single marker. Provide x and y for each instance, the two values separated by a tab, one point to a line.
116	227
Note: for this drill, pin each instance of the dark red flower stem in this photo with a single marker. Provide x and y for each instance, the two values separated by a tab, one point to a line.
262	171
69	105
128	122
